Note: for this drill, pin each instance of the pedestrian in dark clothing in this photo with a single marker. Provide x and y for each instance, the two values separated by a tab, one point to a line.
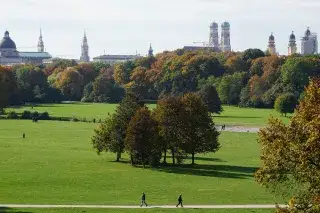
143	200
180	201
23	135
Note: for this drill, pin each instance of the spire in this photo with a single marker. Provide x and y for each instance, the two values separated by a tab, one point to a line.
40	43
85	49
150	52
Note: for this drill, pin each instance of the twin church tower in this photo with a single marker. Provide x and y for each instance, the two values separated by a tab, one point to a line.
224	45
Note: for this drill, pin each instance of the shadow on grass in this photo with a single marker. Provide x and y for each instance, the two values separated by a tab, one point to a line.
9	210
202	159
221	171
217	116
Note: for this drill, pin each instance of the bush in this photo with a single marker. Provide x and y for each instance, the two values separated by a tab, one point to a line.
35	116
12	115
74	119
286	103
26	115
44	116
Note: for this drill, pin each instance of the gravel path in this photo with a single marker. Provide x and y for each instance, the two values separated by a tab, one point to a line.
239	129
255	206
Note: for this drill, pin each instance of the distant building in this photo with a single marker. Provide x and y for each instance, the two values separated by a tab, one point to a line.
309	43
213	44
271	45
9	55
84	49
114	59
292	47
214	35
225	44
150	51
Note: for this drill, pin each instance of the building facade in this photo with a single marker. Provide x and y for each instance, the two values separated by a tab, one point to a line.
292	47
272	45
309	43
9	55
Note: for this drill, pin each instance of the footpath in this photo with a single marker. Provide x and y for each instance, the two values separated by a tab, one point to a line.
254	206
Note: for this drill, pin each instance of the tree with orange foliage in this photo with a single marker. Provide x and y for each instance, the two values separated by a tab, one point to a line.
290	154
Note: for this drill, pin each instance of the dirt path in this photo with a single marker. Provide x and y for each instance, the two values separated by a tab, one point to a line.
239	129
255	206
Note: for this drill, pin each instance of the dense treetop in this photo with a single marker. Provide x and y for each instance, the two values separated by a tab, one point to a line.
250	79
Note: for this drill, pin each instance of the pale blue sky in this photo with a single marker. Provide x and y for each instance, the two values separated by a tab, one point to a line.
124	26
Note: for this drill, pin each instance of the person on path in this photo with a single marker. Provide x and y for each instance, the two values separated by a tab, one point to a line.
143	200
180	201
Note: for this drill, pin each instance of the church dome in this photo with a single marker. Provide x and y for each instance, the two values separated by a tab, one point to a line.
225	24
214	25
271	37
292	36
6	42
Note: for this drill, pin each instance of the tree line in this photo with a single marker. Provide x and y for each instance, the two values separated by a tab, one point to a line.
248	79
179	125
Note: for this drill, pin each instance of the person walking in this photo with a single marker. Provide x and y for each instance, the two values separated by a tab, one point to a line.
180	201
143	200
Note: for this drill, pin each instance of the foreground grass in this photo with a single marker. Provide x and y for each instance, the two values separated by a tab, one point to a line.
231	115
55	164
136	210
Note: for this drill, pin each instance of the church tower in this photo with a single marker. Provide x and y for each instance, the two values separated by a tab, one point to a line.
271	45
225	37
292	48
40	43
150	52
214	35
85	49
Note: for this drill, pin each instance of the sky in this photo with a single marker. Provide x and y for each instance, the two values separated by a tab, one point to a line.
128	26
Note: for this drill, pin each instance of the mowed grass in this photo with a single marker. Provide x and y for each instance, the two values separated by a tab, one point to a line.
56	164
230	116
136	210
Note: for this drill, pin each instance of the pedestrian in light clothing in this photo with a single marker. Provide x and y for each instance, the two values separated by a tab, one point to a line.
180	201
143	200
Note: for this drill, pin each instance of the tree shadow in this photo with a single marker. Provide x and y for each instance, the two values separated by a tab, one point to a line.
10	210
202	159
221	171
221	116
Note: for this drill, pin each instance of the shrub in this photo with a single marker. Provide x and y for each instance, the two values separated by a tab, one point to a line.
12	115
74	119
35	115
26	115
44	116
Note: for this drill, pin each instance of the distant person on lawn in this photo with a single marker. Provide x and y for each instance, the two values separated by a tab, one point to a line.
180	201
143	200
23	135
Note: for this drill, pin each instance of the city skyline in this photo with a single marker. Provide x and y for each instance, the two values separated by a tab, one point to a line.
122	29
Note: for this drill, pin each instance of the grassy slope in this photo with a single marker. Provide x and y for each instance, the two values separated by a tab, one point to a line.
55	164
230	116
134	211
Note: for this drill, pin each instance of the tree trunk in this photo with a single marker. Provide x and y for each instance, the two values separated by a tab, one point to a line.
173	157
193	158
131	158
118	156
165	157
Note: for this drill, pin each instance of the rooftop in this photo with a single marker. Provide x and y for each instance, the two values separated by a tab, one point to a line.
117	57
43	55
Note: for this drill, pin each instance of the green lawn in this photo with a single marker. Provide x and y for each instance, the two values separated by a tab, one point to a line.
231	115
135	211
55	164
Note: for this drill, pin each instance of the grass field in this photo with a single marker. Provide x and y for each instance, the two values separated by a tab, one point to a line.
55	164
230	116
134	211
